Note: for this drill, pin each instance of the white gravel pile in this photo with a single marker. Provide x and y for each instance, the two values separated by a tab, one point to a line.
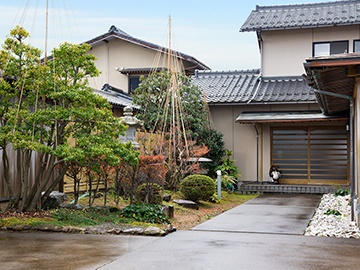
330	224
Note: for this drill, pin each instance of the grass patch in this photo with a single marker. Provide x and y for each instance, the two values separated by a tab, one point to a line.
30	221
184	218
88	217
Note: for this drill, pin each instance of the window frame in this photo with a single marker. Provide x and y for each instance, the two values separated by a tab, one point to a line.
355	41
130	77
330	43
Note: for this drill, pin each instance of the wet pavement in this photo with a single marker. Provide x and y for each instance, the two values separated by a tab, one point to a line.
61	251
264	233
218	250
269	213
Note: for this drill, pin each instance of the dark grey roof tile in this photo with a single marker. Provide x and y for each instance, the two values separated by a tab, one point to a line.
303	15
248	87
227	86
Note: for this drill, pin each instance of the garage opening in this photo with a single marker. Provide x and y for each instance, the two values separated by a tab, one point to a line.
311	155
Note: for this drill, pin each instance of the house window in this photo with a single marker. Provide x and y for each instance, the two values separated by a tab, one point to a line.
356	45
329	48
134	82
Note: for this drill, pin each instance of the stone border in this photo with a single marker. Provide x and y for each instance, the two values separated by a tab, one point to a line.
103	229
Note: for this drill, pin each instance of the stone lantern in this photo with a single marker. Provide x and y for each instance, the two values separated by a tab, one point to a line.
133	123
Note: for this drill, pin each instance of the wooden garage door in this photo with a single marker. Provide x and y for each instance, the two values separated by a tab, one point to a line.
311	155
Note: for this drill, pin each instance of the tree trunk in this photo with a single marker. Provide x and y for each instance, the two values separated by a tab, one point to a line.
18	179
6	176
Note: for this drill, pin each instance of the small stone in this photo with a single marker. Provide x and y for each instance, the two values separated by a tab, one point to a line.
331	225
71	229
154	231
170	228
134	231
48	228
187	204
54	200
95	230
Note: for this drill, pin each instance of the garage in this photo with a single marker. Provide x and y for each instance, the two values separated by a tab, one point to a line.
311	155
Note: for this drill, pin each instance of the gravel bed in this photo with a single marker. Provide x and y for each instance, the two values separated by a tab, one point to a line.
332	218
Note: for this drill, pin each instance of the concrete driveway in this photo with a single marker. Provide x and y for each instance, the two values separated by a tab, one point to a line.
268	213
264	233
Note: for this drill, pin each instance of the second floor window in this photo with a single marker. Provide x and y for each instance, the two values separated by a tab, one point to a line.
356	45
329	48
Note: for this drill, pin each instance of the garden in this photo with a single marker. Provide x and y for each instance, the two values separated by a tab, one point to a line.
54	131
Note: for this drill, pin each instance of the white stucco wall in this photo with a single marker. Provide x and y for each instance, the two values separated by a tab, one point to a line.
121	54
285	51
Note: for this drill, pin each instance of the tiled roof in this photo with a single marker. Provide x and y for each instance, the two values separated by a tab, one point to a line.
284	89
248	86
303	16
115	97
227	86
115	32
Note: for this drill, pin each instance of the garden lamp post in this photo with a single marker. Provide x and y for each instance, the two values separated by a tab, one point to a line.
218	172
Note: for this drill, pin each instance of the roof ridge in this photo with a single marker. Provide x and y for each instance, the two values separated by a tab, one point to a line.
118	33
296	16
282	77
228	72
113	90
113	28
258	8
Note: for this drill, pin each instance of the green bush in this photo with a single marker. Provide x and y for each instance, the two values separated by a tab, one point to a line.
228	182
342	192
333	212
151	213
149	193
197	187
228	167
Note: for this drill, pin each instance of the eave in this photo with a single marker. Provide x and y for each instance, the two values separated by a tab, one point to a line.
334	74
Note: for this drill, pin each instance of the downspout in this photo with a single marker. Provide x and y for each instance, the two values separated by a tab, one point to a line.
257	152
258	79
351	120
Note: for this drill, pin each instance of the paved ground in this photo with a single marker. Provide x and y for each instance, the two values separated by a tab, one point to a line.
60	251
265	233
269	213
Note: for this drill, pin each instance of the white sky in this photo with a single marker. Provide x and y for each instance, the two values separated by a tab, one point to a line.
205	29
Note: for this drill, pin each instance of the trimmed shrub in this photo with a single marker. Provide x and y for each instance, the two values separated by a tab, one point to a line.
149	193
197	187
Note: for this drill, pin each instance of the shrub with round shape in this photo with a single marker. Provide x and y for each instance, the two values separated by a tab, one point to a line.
197	187
149	193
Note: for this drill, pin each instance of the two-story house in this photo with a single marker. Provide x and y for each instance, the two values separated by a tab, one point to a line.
271	115
122	59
